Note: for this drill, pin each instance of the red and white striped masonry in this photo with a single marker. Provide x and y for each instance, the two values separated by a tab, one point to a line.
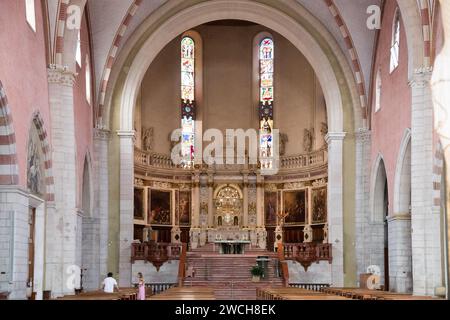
356	66
9	174
60	29
112	57
426	29
48	164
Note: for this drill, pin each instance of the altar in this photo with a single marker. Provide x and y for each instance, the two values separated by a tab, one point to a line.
231	246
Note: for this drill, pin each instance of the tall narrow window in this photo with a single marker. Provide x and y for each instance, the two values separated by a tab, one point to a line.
88	81
266	72
187	100
78	52
30	13
395	46
378	92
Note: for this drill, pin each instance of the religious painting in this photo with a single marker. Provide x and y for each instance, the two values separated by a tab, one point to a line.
270	208
295	206
159	207
139	203
185	208
319	205
35	170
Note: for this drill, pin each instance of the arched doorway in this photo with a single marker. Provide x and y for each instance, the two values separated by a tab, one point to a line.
400	262
380	234
90	263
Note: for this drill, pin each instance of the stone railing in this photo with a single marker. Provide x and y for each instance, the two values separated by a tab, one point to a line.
312	159
162	161
156	253
307	253
154	160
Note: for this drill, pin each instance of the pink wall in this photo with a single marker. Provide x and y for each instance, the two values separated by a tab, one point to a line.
389	124
23	73
83	111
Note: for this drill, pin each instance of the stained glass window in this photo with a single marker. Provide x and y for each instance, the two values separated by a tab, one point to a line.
187	100
266	71
266	55
187	69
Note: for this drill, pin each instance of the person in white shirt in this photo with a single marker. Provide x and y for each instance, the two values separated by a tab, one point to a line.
109	284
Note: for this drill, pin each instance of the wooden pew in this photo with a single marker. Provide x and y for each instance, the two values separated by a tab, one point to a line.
124	294
295	294
366	294
186	293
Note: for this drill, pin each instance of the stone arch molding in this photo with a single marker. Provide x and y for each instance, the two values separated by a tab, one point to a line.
9	172
87	165
38	124
399	169
373	188
234	9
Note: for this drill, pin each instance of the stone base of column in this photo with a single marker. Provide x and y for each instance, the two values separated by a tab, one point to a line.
194	234
176	235
14	229
278	237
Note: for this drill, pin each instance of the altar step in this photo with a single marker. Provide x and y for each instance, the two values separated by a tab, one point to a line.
229	275
241	290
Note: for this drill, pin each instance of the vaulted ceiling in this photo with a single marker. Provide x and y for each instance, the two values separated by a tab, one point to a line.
112	17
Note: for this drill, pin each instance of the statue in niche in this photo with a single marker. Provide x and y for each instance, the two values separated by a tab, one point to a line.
283	140
147	139
324	130
308	140
34	168
173	143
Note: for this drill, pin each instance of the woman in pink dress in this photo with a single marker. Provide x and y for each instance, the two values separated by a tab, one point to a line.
141	287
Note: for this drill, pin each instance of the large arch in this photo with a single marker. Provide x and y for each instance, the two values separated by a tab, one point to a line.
9	174
379	212
293	22
399	222
89	228
412	21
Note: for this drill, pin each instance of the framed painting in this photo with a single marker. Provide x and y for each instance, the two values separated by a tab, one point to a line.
185	208
270	208
139	203
295	206
159	207
319	205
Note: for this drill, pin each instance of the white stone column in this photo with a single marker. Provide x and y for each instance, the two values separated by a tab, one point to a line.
101	181
210	201
362	200
126	205
441	98
62	227
426	235
195	223
245	201
14	232
259	201
400	255
335	142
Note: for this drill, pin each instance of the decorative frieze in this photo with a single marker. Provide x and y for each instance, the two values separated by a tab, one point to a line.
60	75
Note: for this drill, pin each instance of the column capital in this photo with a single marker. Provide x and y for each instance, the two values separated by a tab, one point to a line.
363	134
421	77
335	136
100	134
126	133
57	74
